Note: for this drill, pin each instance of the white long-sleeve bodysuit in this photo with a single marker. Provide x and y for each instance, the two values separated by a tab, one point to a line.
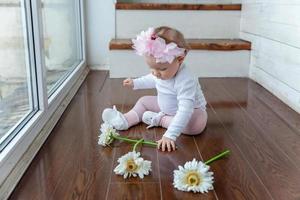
177	96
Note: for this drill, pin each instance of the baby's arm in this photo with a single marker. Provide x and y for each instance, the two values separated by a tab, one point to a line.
186	90
144	82
182	117
180	120
128	83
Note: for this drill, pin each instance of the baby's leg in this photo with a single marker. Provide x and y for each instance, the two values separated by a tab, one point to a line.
134	116
195	126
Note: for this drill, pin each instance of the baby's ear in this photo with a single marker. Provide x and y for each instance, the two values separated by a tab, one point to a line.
180	58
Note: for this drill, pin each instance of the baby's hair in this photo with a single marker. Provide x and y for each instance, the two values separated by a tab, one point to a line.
172	35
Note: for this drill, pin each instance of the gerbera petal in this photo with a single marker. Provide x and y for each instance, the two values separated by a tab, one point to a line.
106	131
194	176
131	164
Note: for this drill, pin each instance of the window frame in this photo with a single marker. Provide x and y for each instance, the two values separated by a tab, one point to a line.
12	156
31	78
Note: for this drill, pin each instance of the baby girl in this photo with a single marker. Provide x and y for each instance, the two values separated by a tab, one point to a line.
180	105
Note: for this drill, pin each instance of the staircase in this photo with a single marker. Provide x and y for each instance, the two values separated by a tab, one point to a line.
212	31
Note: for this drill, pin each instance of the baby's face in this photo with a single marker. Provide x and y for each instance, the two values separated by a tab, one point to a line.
163	71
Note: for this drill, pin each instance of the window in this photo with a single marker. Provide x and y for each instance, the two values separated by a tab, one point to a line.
17	101
42	60
62	52
60	28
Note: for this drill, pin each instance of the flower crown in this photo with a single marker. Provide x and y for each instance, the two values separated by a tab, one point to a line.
147	43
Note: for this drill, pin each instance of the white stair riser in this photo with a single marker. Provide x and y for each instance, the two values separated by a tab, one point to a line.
193	24
183	1
124	63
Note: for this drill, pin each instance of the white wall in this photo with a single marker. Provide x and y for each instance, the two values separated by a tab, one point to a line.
100	29
273	27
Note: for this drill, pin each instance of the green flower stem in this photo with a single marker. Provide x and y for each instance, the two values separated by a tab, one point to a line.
154	144
220	155
137	143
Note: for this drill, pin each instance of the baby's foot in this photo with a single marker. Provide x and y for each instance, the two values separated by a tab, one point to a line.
115	118
152	118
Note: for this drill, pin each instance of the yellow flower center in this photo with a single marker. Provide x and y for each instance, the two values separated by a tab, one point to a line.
131	166
193	178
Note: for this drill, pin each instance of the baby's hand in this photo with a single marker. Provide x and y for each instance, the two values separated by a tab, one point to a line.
165	142
128	82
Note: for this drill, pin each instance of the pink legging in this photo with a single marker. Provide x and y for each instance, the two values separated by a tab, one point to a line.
195	126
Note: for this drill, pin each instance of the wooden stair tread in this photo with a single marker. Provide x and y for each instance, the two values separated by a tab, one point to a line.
175	6
195	44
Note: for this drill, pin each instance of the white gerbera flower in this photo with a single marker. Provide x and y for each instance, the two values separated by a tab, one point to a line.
131	164
107	131
194	176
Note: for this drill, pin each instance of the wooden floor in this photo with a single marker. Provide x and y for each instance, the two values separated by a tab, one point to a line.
262	133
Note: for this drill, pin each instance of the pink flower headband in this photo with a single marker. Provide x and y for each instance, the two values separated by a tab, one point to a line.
149	44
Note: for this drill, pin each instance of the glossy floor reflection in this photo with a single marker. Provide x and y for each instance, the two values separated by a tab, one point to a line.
261	132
